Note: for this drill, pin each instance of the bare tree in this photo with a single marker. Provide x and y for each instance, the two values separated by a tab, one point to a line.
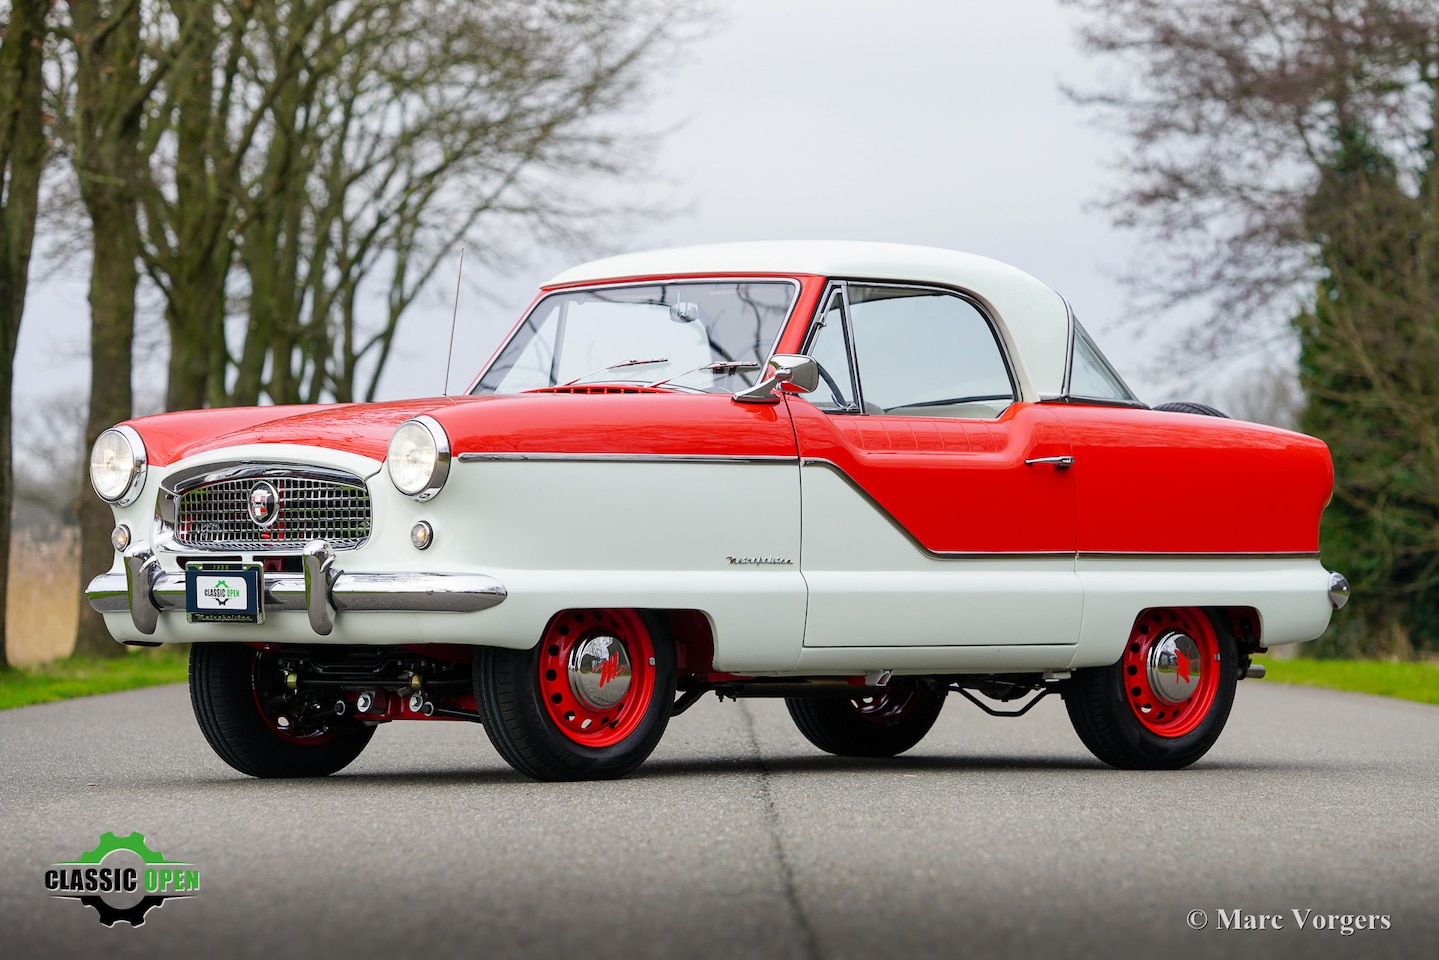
105	134
285	163
242	71
459	122
23	151
310	163
1370	366
1283	160
1230	111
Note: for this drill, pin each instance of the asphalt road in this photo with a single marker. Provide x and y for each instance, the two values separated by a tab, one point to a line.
992	838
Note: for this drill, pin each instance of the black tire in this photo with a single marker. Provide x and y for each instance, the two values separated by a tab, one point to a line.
1185	406
882	726
1105	704
511	691
223	692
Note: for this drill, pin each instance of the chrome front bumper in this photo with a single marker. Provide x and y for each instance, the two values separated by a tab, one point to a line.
146	591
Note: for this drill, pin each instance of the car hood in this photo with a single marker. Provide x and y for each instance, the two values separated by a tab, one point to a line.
362	428
647	423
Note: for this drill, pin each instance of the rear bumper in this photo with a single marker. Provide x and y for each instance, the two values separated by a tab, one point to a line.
146	591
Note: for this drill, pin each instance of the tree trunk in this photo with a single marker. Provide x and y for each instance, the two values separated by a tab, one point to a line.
22	157
113	279
109	104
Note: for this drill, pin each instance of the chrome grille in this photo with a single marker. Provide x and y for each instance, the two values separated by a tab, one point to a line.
216	516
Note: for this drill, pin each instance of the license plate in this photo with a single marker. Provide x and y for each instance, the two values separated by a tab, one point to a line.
224	593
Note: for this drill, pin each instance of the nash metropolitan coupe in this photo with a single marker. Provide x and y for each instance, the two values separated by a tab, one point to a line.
860	477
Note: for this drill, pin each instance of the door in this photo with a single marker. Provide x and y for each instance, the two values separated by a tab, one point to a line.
937	508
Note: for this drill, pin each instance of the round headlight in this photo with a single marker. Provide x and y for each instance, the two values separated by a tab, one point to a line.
117	465
419	458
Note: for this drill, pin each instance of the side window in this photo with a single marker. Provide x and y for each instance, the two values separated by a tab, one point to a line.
924	353
1090	375
829	347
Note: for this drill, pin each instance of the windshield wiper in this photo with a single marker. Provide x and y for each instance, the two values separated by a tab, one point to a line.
731	366
615	366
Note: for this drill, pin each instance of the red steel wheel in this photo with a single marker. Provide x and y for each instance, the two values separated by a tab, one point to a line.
1164	702
1171	670
597	674
589	702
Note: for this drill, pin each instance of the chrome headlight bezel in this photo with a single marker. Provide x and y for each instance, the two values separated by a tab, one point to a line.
434	442
134	476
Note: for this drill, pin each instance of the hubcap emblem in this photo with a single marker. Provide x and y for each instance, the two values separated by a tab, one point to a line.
599	670
264	505
1174	667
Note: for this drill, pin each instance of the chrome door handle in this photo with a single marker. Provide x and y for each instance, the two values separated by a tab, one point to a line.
1059	463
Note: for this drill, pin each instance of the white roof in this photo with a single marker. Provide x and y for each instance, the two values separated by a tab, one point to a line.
1034	318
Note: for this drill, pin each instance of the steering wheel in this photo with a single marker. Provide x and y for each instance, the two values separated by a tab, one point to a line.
833	387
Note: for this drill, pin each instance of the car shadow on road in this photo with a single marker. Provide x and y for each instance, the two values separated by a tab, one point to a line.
676	767
400	778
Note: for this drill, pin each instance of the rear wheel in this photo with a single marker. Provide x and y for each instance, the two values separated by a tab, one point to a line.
589	702
1162	706
883	725
258	725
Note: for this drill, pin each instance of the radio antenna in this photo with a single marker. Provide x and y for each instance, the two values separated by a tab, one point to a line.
454	314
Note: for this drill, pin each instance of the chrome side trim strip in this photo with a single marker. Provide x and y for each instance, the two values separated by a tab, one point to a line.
625	458
1102	555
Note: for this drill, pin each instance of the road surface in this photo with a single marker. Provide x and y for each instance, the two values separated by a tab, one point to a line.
992	838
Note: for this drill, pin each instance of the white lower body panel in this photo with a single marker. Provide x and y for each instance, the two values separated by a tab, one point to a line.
1290	594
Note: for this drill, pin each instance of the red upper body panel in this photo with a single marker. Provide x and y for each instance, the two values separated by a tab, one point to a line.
645	424
1151	482
955	485
1141	481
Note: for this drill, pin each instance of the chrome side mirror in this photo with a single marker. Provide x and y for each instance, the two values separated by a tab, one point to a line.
787	371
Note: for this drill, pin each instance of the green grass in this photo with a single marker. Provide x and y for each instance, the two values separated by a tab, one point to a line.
1407	680
83	676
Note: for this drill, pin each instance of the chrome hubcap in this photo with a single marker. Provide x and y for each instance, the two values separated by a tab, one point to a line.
599	670
1174	667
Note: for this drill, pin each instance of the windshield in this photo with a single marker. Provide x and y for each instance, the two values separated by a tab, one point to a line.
701	337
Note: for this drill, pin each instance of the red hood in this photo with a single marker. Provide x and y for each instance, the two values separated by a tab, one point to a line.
658	423
362	428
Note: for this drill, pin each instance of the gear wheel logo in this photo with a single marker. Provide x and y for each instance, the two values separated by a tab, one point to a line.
123	879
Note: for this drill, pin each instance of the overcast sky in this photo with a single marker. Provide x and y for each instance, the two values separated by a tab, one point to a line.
936	122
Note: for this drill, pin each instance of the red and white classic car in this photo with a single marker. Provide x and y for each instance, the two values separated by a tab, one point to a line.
856	476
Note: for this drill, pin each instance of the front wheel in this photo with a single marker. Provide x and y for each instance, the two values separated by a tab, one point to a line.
257	725
881	725
589	702
1162	706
